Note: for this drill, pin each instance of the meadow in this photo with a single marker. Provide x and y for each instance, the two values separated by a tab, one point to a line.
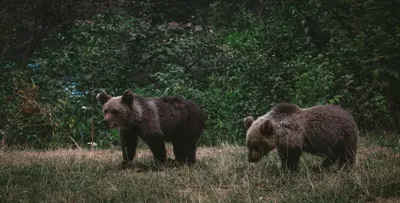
222	174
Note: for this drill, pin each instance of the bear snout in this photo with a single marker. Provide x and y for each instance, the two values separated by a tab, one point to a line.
254	158
251	160
109	124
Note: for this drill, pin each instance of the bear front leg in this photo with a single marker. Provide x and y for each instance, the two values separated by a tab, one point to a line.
131	147
185	151
125	161
157	148
290	158
128	147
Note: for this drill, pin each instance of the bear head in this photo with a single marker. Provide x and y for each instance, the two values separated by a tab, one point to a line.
260	137
119	112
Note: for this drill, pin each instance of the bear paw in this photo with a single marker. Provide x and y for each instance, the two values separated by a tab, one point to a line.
125	164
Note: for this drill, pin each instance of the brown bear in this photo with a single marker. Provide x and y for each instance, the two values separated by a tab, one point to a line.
155	121
325	130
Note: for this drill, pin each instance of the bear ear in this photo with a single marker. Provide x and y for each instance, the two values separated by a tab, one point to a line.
248	121
127	97
266	128
103	97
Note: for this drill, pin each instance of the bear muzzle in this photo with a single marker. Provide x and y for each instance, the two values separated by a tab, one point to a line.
109	124
254	157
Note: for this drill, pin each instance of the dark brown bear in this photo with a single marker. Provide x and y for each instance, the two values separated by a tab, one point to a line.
155	121
324	130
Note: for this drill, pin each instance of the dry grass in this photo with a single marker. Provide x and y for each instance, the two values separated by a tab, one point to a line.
221	175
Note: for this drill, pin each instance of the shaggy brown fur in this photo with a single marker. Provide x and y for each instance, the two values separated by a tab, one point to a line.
155	121
324	130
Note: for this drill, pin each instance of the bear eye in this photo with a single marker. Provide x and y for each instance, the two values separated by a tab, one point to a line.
114	111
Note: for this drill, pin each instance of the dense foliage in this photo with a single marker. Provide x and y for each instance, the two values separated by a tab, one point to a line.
233	58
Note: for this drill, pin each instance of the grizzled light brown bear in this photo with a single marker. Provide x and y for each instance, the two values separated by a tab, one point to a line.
155	121
325	130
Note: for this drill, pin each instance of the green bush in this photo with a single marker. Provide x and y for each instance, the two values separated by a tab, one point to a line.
232	58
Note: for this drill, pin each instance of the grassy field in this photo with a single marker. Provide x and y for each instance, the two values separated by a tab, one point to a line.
221	175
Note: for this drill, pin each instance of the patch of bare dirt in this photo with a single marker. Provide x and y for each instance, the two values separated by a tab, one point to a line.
372	150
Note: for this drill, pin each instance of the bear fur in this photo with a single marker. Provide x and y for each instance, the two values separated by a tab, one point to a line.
155	121
324	130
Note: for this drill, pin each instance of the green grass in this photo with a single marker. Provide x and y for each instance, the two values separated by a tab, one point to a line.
221	175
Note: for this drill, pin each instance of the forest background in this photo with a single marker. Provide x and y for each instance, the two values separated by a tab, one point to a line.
233	58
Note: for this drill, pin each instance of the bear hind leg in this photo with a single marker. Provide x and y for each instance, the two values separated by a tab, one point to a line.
347	160
191	153
185	148
179	153
185	152
347	157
